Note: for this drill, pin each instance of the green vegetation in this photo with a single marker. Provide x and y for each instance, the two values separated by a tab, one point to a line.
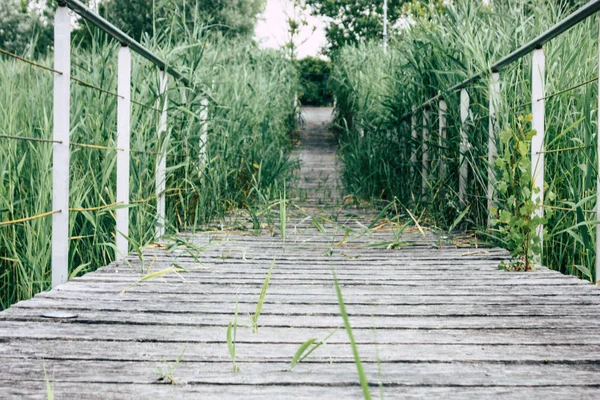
314	75
143	17
362	377
353	21
308	347
166	373
28	23
251	111
232	336
516	222
375	91
261	299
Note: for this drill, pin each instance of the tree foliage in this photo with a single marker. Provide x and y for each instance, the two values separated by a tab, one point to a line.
28	24
314	75
352	21
139	17
23	27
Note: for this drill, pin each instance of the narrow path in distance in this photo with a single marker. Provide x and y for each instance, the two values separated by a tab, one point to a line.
431	318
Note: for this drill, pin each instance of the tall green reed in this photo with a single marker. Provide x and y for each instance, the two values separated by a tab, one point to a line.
251	111
374	90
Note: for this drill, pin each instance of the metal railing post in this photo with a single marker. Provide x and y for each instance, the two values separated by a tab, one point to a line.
203	133
413	135
464	147
492	145
425	150
161	163
442	140
538	77
60	156
123	157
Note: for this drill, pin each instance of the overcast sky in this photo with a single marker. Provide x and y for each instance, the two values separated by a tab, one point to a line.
272	29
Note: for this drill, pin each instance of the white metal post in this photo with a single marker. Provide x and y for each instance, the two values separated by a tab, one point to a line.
538	77
464	147
385	25
442	140
425	155
492	146
123	156
60	156
413	135
598	186
161	164
203	133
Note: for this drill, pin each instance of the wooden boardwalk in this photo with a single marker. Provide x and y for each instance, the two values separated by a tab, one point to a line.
431	319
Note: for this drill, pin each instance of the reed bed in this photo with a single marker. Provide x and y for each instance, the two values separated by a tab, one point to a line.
251	110
375	90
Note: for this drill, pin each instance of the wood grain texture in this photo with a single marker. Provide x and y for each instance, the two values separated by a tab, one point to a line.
433	316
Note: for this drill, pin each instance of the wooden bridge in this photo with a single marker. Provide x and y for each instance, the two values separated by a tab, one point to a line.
432	315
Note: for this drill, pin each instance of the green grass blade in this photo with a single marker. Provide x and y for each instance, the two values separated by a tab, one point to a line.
261	299
364	383
303	347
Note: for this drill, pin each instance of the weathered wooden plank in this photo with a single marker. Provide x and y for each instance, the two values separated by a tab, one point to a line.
165	301
298	335
225	287
194	392
31	309
159	351
346	282
309	373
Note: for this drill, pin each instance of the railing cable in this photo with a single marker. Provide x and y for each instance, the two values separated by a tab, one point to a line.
77	80
29	62
99	208
95	146
21	220
568	89
30	139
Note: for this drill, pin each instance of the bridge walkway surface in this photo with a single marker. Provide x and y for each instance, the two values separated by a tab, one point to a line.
432	315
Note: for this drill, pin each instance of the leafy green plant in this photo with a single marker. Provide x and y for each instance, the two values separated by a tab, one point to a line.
516	221
362	377
261	299
232	335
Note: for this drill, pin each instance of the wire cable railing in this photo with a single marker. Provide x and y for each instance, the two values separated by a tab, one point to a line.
422	131
76	80
61	136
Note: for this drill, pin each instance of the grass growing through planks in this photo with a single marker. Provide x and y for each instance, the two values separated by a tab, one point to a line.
49	385
379	368
261	299
308	347
373	90
232	335
173	269
167	375
364	383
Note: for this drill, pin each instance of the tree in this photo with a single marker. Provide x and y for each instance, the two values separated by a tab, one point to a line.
352	21
297	18
23	27
139	17
313	75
